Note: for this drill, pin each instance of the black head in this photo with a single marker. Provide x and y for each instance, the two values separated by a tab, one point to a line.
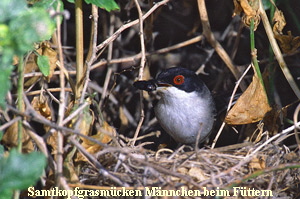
180	78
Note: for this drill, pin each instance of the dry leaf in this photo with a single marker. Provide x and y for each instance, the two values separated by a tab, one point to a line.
52	141
288	43
41	106
69	168
86	119
31	64
123	118
279	22
251	106
104	135
197	173
250	9
10	138
181	170
45	49
257	163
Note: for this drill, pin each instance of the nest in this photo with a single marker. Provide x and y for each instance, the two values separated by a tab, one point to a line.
244	170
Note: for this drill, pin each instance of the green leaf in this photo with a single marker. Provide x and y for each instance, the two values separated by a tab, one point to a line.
46	4
5	83
5	38
1	146
33	25
267	4
7	193
9	9
51	5
19	171
43	64
108	5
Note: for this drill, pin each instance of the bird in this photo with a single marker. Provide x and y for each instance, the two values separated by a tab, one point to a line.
186	109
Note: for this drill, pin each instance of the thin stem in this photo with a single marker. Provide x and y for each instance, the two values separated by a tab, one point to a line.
271	68
61	109
141	71
254	53
277	51
92	49
109	66
80	71
20	101
215	44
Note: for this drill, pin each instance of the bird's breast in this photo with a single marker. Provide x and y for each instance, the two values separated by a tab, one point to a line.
183	115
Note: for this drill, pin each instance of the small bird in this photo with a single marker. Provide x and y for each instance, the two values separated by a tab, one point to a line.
186	109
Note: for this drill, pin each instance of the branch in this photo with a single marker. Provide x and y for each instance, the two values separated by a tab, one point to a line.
215	44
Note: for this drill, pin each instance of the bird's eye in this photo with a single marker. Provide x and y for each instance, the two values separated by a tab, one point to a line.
178	80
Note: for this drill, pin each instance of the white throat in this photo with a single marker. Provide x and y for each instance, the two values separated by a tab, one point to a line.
185	115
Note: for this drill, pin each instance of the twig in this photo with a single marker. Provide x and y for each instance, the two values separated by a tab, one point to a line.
264	171
296	127
20	99
80	70
7	124
130	24
277	51
136	57
229	105
95	162
215	44
110	68
61	110
252	154
37	139
133	58
141	71
94	35
37	92
92	51
75	113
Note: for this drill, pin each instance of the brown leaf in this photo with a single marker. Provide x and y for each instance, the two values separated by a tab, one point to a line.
31	64
251	106
250	9
52	141
10	138
288	43
279	22
104	135
257	163
45	49
123	118
198	174
41	106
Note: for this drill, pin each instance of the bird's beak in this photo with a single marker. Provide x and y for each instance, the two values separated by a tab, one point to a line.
161	84
149	85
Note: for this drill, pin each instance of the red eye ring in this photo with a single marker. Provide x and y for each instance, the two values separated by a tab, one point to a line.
178	80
